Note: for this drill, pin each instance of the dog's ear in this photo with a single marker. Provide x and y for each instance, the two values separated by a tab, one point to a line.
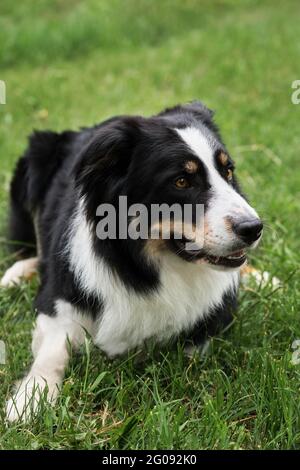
104	162
203	114
196	108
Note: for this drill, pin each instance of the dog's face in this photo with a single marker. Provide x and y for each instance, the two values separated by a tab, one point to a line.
178	158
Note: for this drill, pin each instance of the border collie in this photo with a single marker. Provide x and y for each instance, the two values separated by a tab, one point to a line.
124	291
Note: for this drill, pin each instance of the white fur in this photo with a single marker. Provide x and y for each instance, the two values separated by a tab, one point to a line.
187	292
22	269
226	202
50	351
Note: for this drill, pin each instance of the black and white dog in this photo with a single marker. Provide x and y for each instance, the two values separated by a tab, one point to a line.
124	291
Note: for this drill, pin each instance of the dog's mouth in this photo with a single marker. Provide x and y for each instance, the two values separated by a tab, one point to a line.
234	259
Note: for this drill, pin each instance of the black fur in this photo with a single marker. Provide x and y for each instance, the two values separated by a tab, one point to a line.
217	321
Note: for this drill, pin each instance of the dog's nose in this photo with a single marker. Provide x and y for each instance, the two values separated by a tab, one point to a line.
248	230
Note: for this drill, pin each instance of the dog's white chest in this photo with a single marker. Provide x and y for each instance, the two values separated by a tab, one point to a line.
184	298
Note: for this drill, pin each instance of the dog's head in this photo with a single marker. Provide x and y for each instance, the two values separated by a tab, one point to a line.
176	157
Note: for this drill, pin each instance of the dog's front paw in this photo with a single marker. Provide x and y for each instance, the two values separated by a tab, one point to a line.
27	398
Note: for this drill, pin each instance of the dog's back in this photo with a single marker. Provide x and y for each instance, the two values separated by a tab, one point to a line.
32	178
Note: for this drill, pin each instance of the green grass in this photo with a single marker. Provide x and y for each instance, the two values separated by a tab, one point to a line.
68	63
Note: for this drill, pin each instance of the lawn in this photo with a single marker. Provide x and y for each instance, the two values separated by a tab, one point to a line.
68	64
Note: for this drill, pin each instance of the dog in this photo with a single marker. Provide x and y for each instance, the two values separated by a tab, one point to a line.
124	291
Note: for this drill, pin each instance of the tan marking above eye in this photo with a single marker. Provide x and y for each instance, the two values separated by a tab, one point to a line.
191	166
223	158
182	183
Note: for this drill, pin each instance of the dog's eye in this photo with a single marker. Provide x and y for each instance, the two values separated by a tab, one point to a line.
182	183
229	174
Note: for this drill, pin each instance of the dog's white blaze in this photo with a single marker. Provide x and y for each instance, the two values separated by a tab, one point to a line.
226	202
199	144
186	294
